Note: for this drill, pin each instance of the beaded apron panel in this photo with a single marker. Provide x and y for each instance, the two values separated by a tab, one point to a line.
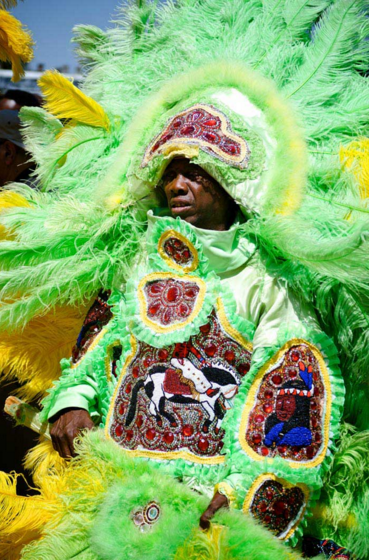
171	401
288	407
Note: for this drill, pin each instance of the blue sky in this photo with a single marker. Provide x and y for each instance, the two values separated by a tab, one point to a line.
51	23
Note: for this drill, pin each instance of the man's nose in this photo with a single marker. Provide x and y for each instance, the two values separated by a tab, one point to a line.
178	185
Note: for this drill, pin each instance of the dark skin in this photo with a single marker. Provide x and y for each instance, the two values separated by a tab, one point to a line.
13	161
198	199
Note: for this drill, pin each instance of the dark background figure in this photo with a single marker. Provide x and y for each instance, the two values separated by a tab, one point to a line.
15	162
15	99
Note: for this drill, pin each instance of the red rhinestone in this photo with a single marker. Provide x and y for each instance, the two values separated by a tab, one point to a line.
191	293
276	379
211	350
264	451
153	309
229	356
121	409
205	329
259	418
267	519
210	122
256	438
168	437
296	451
316	391
187	430
128	388
314	422
295	356
163	354
315	376
186	254
139	420
203	444
135	371
156	146
169	249
147	362
269	494
177	123
310	452
231	148
129	435
263	506
150	434
177	257
166	137
172	294
282	449
184	310
268	394
119	430
155	289
244	368
313	405
279	507
210	137
187	130
268	408
177	243
293	374
318	438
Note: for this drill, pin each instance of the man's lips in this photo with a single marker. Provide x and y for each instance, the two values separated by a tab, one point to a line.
180	206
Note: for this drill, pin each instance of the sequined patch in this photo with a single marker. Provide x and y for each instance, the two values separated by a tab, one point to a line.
145	517
168	302
286	416
207	127
177	251
173	399
278	507
97	317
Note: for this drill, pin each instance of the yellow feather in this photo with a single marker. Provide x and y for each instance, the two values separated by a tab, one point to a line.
10	199
6	4
66	101
15	44
355	158
33	355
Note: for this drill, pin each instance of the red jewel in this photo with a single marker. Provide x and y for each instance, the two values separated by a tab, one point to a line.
150	434
183	310
210	137
229	356
310	452
135	371
259	418
167	317
268	408
279	507
147	362
187	430
293	374
177	123
315	376
172	294
211	349
268	394
119	430
256	438
121	409
267	519
166	137
296	451
139	421
153	309
263	506
276	379
169	249
313	405
244	368
231	148
168	437
282	449
295	356
177	257
318	438
316	391
186	254
155	289
264	451
129	435
128	388
163	354
156	146
187	130
190	293
177	243
203	444
269	494
314	422
205	329
210	122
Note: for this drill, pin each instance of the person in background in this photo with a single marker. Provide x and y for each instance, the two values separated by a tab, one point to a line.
15	99
15	162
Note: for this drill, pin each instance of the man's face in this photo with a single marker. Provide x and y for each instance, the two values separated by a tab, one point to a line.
196	197
285	407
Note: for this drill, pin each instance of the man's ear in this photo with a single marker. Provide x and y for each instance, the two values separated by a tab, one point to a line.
10	152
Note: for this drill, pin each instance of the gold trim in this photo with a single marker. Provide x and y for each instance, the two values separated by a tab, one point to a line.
231	331
250	402
108	359
177	142
163	276
173	233
185	455
91	347
270	476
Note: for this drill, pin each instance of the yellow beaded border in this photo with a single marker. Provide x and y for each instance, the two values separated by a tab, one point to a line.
270	476
164	276
250	402
173	233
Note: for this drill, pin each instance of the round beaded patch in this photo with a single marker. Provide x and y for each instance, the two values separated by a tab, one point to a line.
178	252
145	517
